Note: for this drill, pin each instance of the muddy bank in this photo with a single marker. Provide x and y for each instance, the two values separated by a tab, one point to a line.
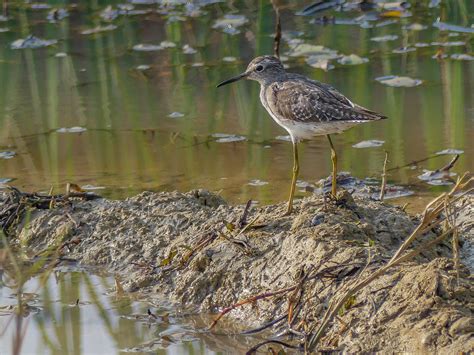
191	249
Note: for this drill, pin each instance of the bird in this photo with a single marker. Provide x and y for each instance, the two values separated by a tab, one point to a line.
304	107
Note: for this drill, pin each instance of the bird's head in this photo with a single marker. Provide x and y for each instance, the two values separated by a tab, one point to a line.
262	69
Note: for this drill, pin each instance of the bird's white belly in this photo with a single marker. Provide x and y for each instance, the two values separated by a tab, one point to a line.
307	130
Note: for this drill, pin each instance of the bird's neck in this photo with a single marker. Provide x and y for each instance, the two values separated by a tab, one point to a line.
274	77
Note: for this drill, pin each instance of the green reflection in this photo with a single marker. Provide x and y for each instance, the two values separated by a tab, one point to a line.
131	144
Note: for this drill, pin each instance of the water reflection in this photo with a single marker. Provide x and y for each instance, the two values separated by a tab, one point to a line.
75	312
132	144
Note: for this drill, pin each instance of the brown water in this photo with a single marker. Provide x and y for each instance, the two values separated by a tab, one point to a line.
129	143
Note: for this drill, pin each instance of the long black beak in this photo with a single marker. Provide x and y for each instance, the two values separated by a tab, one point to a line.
231	80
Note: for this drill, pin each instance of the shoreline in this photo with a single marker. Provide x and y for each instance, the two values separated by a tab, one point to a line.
193	250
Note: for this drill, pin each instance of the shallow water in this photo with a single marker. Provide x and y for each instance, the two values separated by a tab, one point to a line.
135	108
153	128
76	312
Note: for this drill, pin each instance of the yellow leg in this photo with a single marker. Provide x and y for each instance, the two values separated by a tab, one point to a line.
334	167
296	170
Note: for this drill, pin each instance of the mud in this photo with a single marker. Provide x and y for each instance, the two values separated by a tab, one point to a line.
189	248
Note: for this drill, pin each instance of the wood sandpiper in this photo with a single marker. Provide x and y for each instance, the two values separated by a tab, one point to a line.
305	108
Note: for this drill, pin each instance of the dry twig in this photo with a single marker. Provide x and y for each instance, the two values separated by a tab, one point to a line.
431	218
277	40
384	178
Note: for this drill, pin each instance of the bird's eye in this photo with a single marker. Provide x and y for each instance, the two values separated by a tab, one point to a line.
259	68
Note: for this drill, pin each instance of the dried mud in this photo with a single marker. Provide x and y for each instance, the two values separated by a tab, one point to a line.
188	248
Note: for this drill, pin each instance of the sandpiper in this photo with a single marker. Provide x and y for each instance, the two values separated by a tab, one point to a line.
305	108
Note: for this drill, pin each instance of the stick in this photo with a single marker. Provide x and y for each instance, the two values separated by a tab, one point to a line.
415	162
384	178
336	305
448	166
277	40
430	217
250	300
243	219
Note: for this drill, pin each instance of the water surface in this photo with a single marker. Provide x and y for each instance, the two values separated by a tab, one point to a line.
76	312
131	143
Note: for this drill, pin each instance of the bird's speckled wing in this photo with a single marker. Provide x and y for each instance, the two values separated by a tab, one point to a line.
303	100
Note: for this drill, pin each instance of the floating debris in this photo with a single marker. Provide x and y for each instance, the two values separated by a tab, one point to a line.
92	187
402	50
167	44
229	59
143	2
197	64
126	7
443	26
60	55
317	63
7	154
449	44
176	115
340	21
462	56
147	47
56	15
415	27
32	42
4	181
257	182
230	24
398	81
319	7
450	152
3	18
187	49
434	3
153	47
143	67
39	6
369	144
283	138
129	10
441	176
437	177
352	59
99	29
76	129
109	14
305	49
422	45
4	29
384	38
322	56
228	138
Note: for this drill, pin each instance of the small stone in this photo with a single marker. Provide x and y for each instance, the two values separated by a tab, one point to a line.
317	219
